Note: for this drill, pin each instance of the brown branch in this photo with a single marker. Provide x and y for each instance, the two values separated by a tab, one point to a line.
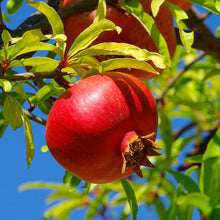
204	42
183	130
33	76
176	78
35	118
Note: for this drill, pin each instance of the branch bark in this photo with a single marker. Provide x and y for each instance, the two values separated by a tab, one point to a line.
33	76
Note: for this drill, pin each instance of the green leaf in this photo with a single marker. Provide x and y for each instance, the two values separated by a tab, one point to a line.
188	183
29	140
171	212
166	132
6	85
208	4
134	7
61	211
12	112
111	48
3	124
18	88
199	200
155	6
131	198
90	34
194	159
70	180
6	38
28	39
213	149
13	5
187	38
118	63
43	94
101	11
51	14
41	64
210	175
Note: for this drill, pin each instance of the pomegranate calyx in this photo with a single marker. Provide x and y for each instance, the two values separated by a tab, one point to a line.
136	154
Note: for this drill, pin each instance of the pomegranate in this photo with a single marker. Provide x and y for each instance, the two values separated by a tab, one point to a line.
185	5
103	128
132	30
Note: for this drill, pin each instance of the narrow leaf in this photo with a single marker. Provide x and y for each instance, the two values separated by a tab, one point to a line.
90	34
135	8
199	200
29	140
111	48
194	159
52	16
187	38
101	11
131	198
188	183
118	63
12	112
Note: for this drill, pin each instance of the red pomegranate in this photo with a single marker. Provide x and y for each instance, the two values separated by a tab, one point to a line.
103	128
184	4
132	30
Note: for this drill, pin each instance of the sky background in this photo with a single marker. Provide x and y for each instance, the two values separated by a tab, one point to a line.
30	205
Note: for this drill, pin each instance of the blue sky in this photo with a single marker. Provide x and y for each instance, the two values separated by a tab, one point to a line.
31	204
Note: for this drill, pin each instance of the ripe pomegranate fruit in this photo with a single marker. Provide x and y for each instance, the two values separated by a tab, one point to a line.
132	30
185	5
103	128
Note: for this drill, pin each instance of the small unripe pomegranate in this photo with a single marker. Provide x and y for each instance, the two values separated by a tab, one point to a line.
103	128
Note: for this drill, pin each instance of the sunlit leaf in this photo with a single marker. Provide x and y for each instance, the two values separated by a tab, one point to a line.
101	11
90	34
209	4
52	16
111	48
199	200
134	7
118	63
6	85
187	38
155	6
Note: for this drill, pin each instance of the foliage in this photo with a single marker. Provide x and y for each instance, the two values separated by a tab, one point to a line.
188	89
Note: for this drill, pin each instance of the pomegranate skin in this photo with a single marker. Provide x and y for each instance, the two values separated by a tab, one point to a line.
87	126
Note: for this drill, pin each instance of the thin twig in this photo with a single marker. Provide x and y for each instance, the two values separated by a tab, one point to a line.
35	118
33	76
175	79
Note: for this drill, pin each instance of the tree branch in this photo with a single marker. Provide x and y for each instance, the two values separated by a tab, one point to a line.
175	78
35	118
33	76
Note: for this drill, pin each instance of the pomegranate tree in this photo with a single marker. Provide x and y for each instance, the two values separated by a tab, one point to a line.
103	128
